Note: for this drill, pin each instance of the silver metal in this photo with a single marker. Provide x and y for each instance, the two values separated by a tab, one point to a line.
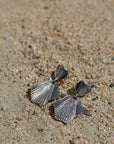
82	89
42	92
60	73
67	108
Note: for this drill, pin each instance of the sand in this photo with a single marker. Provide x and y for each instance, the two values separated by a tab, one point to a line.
36	36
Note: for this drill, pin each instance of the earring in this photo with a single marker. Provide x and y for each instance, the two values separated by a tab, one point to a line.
69	107
44	91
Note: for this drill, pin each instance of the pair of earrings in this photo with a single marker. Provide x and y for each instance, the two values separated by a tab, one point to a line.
66	108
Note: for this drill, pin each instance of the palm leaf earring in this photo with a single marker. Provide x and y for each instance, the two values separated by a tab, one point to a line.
44	91
69	107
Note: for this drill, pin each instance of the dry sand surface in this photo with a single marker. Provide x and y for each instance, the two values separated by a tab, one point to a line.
36	36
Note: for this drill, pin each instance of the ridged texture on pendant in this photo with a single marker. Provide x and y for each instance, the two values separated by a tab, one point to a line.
67	108
42	92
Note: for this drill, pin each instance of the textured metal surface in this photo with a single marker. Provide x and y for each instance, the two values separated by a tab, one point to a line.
60	73
78	107
55	92
67	108
42	92
82	88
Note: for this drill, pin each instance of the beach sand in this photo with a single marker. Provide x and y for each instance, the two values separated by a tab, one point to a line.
36	36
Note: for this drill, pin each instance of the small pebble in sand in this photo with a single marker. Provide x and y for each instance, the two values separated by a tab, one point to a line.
111	85
109	103
4	108
86	112
30	46
95	98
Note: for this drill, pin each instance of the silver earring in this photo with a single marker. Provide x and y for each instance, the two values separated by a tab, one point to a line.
70	106
48	90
